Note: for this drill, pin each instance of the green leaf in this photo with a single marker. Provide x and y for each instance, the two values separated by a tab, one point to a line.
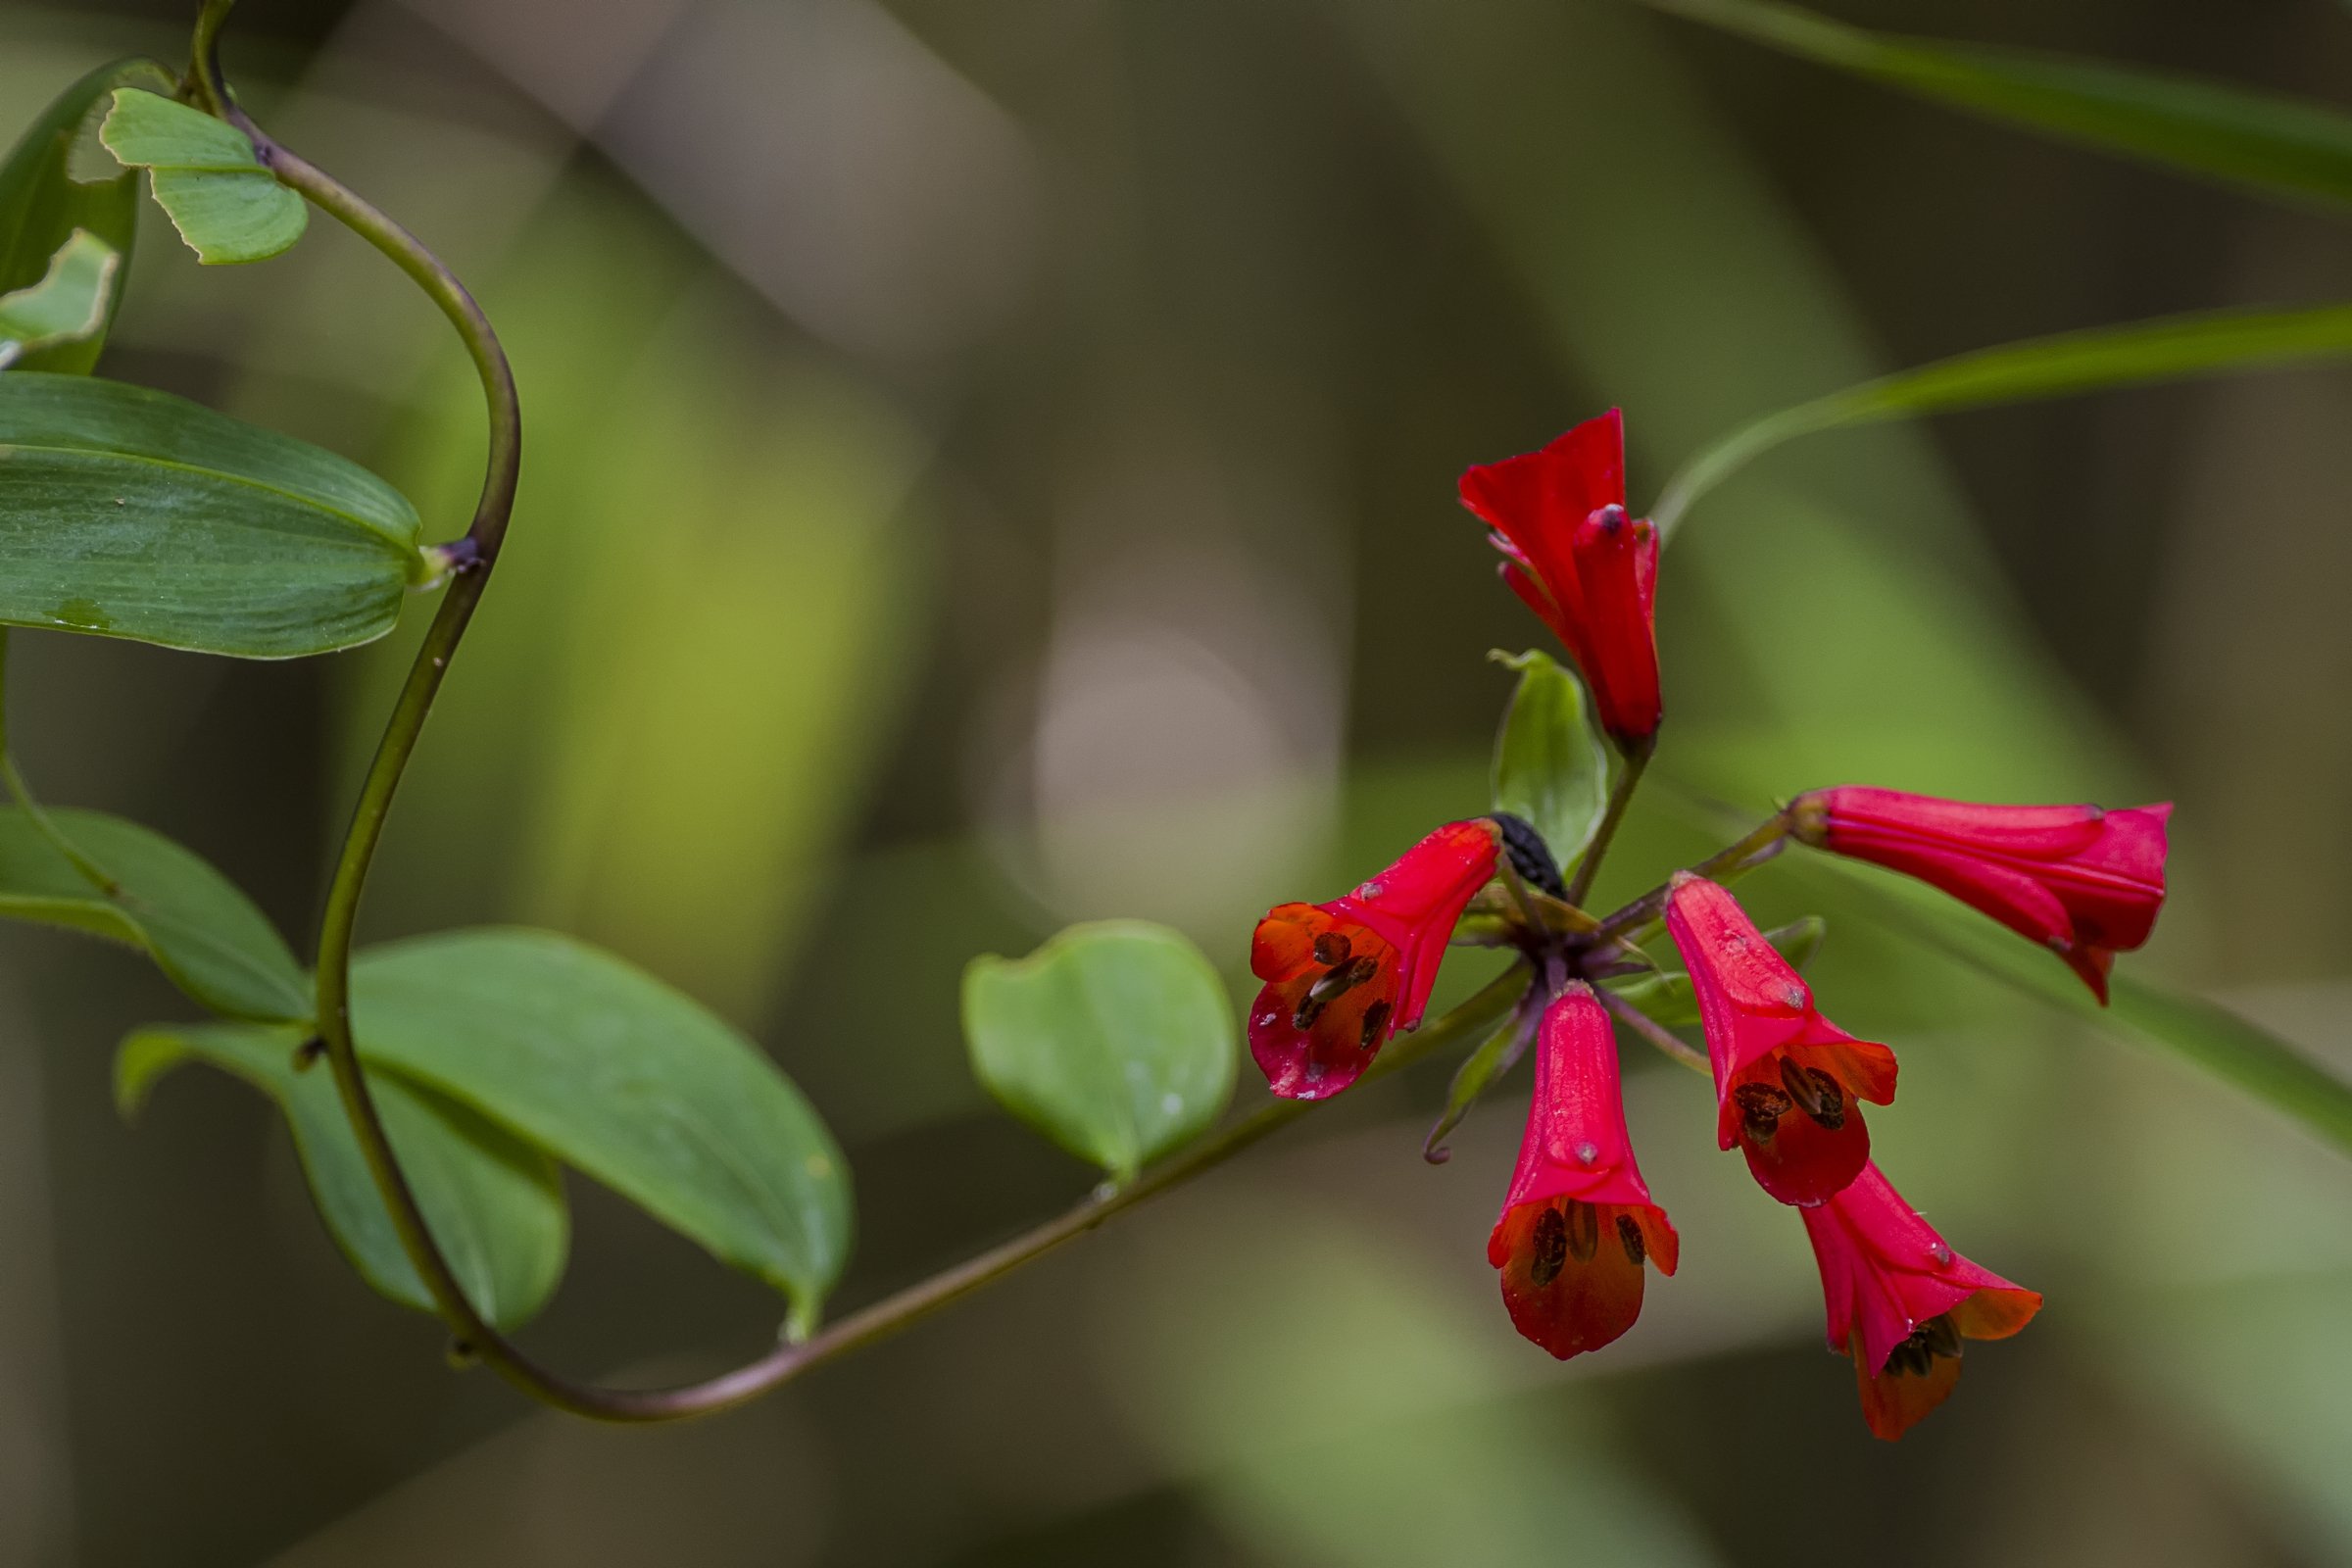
1666	995
135	513
2235	1050
494	1204
2167	349
2277	146
205	175
1114	1040
1494	1058
640	1087
70	304
1551	766
200	930
47	191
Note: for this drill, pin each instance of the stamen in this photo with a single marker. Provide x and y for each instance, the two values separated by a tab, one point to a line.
1761	1107
1629	1237
1584	1231
1942	1335
1376	1020
1329	987
1549	1248
1331	948
1817	1091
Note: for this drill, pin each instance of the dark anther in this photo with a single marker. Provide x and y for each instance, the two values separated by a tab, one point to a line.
1550	1251
1817	1092
1331	947
1330	986
1911	1359
1376	1019
1941	1337
1530	855
1629	1237
1584	1231
1761	1107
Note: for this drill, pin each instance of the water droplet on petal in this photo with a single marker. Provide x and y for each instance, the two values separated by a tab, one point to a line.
1587	1151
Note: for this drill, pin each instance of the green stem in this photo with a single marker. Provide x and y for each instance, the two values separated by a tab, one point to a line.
1633	923
1621	795
1649	1029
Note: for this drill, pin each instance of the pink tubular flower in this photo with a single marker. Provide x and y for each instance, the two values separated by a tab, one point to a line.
1786	1079
1340	977
1900	1300
2083	881
1576	559
1577	1224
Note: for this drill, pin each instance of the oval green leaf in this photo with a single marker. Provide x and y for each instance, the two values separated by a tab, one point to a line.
51	185
1114	1040
494	1204
2169	349
205	175
70	304
638	1086
1551	766
2277	146
133	514
198	927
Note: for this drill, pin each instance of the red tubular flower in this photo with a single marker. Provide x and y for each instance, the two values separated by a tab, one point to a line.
1342	977
1580	564
1900	1300
1786	1079
1577	1224
2083	881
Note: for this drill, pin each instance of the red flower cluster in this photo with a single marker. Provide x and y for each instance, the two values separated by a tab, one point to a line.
1579	1231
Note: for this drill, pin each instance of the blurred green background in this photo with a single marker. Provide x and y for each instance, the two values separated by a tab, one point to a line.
992	464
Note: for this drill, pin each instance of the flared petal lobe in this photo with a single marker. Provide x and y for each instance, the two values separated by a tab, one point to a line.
1343	976
2081	880
1578	1226
1787	1082
1573	557
1901	1301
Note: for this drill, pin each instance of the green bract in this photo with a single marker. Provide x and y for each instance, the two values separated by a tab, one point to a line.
1115	1040
1550	764
47	192
224	203
70	303
608	1069
495	1204
136	513
201	932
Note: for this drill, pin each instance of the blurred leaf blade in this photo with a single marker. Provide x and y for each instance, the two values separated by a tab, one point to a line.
205	176
494	1204
2165	348
637	1085
2267	143
70	304
1115	1040
44	197
1551	768
198	927
130	512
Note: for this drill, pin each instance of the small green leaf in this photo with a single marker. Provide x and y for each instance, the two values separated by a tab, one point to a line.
70	304
47	191
205	175
1666	995
135	513
2279	146
2167	349
200	930
1116	1041
1495	1056
494	1204
1550	764
610	1070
